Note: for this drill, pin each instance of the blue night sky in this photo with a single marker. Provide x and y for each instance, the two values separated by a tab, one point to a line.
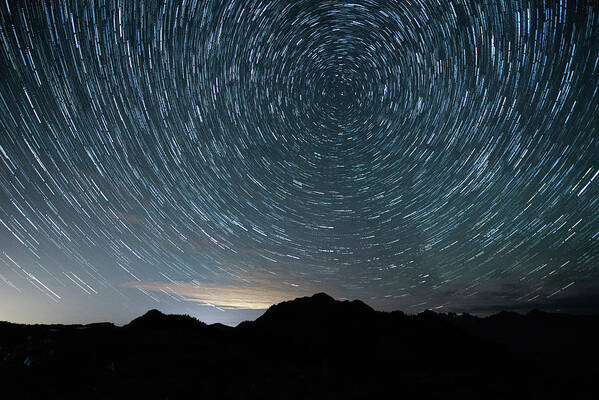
216	157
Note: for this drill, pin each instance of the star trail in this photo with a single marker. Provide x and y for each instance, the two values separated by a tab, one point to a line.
213	157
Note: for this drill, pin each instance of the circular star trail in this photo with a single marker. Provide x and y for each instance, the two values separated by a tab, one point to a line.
416	154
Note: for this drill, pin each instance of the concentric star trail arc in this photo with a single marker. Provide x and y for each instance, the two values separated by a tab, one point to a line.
416	154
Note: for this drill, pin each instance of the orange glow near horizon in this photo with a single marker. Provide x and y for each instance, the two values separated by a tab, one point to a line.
226	296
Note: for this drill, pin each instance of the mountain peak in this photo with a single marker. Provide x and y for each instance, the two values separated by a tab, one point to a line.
319	308
153	313
155	319
321	296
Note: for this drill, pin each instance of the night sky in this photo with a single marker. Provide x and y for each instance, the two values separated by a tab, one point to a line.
216	157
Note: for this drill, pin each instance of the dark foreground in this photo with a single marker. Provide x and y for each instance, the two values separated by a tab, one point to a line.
308	348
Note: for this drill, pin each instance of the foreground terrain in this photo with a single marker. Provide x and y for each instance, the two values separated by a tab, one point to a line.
311	347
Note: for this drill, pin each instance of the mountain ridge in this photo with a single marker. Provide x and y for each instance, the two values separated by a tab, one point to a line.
315	346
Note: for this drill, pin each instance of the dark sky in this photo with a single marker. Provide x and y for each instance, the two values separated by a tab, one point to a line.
213	158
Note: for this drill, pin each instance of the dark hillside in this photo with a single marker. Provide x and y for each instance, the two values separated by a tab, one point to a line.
311	347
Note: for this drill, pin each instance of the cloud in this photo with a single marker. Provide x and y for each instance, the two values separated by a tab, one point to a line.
239	297
583	303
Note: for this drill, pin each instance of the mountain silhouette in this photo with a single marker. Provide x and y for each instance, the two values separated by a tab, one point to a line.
310	347
155	319
319	309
